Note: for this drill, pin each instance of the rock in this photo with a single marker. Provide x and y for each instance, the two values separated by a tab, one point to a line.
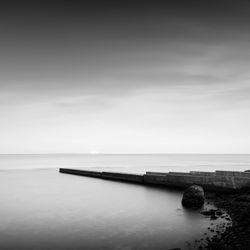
244	217
216	245
219	213
213	213
193	197
210	212
214	217
243	198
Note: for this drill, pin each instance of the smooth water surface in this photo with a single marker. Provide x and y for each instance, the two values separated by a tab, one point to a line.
134	163
43	209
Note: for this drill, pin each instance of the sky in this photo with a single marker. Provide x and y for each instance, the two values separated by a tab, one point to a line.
125	76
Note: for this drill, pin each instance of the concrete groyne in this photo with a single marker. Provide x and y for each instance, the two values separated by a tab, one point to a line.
210	181
81	172
127	177
123	177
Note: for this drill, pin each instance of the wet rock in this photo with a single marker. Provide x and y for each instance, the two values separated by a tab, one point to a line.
244	217
213	213
214	217
193	197
219	212
216	246
236	229
243	198
210	195
210	212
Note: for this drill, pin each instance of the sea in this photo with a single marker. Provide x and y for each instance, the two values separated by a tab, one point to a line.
43	209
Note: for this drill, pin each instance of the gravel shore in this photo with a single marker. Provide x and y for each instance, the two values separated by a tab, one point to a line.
236	236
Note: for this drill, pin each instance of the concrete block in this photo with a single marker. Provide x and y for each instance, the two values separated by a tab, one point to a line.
123	177
81	172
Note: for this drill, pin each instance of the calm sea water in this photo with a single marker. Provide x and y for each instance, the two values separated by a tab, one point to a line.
43	209
133	163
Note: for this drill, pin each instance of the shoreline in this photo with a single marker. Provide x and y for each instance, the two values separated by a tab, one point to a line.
236	236
218	181
229	191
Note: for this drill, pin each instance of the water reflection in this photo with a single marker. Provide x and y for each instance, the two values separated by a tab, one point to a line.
48	210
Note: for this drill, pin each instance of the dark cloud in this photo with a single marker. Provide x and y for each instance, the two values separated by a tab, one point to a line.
104	65
57	40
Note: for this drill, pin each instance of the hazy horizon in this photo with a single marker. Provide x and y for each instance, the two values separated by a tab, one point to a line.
124	154
125	77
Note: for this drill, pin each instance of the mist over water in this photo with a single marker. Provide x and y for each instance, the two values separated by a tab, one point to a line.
43	209
48	210
128	162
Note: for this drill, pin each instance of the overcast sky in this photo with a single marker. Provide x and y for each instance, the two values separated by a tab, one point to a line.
125	76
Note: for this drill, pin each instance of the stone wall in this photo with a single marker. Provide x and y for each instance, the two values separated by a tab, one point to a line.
210	181
218	180
105	175
123	177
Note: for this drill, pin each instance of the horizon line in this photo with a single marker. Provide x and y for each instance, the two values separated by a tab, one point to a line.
94	154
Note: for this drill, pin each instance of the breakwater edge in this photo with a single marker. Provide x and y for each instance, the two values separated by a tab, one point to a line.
225	181
229	190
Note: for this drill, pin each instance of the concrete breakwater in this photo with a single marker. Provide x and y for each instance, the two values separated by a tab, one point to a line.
138	178
210	181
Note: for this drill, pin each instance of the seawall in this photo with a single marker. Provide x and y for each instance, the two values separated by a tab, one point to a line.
210	181
123	177
127	177
81	172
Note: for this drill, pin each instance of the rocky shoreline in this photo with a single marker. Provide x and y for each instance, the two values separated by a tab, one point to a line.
232	209
236	233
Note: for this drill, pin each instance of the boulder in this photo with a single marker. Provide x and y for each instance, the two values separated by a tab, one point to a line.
193	197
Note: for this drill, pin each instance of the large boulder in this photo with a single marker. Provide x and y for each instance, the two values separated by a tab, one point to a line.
193	197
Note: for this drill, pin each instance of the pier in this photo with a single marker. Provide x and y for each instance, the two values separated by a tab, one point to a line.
210	181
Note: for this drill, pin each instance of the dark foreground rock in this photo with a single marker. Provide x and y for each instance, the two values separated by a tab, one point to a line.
213	213
238	235
193	197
